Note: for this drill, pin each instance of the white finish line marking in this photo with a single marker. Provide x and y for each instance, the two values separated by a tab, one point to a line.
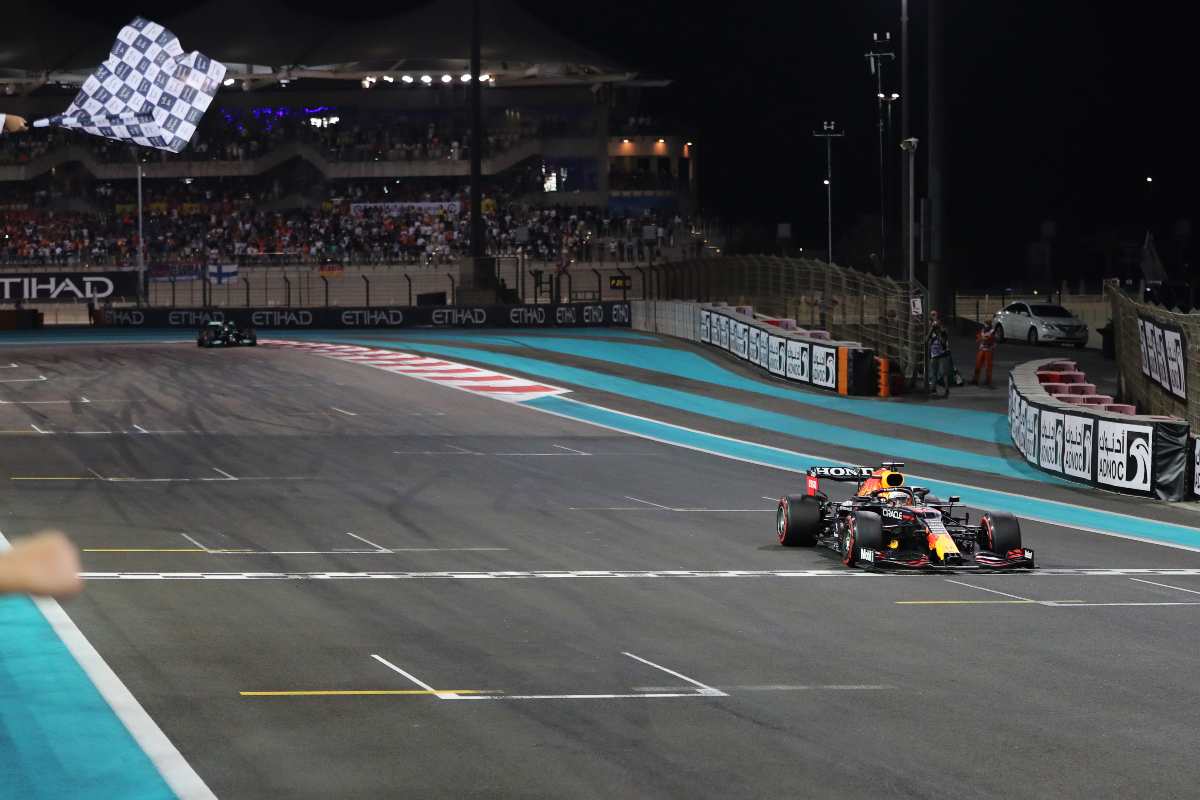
601	573
782	687
248	551
175	770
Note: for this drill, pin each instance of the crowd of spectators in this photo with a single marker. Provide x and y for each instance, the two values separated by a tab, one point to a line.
373	223
340	135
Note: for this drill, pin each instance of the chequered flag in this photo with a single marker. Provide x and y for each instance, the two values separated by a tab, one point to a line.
148	91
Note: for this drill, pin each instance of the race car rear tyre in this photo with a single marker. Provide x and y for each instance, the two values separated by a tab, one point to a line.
865	530
253	340
1001	532
798	520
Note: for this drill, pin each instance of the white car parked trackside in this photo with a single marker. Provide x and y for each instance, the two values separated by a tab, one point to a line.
1040	322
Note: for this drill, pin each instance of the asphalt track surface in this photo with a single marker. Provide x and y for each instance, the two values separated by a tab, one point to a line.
561	610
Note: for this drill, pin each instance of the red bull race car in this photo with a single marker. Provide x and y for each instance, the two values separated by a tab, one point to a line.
888	524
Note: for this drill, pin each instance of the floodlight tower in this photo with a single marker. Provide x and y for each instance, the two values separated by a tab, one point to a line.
828	132
876	58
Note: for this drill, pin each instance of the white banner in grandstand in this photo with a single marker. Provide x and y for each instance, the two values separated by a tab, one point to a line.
1164	355
1123	454
449	207
706	326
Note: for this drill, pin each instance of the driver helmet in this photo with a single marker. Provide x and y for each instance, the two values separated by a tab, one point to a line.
897	496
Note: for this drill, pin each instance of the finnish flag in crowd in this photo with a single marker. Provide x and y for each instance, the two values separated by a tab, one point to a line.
222	273
148	91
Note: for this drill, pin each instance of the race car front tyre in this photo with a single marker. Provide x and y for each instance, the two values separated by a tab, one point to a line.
864	530
1001	532
798	520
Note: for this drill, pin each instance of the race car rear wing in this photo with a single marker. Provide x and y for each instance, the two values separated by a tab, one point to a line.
840	474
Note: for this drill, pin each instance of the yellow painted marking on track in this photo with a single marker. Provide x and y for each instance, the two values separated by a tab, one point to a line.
979	602
355	692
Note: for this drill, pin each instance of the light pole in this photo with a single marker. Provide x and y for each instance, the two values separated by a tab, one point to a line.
828	132
909	146
876	59
141	251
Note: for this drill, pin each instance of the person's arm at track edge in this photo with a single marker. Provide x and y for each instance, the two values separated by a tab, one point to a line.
45	564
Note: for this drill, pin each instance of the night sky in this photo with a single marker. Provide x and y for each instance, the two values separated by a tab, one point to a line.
1055	111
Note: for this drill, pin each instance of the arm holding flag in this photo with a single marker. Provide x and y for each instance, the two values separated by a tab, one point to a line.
11	123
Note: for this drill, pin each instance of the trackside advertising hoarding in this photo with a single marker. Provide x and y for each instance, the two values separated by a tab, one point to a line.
67	287
806	362
572	315
1164	355
1131	456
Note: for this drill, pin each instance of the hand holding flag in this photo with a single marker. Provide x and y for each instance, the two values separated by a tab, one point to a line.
148	91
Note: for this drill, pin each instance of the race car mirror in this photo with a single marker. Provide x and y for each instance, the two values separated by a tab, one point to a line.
955	498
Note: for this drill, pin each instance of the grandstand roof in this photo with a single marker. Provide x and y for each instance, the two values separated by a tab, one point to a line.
265	40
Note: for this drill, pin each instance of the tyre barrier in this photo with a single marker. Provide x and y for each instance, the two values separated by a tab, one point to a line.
1149	456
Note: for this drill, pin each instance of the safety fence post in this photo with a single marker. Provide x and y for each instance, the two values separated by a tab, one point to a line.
247	282
288	288
407	278
367	281
452	291
325	281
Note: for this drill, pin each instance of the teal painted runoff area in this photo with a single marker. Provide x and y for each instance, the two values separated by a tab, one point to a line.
58	736
1033	508
980	425
636	350
886	445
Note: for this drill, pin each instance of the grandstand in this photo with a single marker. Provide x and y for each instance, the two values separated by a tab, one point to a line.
355	150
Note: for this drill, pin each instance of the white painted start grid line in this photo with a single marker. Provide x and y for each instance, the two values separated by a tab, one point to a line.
175	770
414	679
584	574
475	380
